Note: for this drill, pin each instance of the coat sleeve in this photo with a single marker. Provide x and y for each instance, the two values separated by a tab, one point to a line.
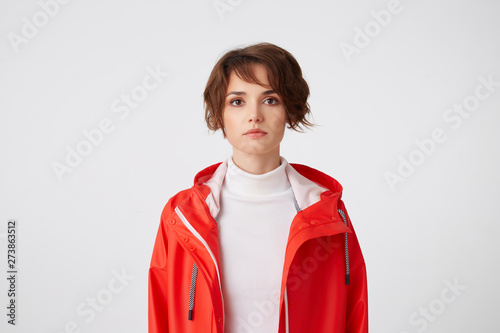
357	291
157	280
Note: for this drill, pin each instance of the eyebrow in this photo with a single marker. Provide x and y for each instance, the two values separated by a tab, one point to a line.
241	93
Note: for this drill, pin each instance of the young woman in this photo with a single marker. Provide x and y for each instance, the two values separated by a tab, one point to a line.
257	244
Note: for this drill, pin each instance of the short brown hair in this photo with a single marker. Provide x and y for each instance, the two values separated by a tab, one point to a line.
284	76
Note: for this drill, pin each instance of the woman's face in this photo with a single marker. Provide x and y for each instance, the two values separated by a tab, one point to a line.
249	106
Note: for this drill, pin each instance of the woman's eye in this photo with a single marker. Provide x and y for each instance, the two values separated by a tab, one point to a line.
236	102
271	101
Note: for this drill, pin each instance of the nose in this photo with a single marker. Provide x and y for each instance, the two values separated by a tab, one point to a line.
255	113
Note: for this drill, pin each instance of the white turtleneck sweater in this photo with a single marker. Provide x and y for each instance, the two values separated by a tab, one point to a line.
254	222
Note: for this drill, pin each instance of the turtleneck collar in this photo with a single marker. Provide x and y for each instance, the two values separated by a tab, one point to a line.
242	183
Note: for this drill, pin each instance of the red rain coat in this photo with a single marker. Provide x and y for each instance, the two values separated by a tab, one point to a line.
324	285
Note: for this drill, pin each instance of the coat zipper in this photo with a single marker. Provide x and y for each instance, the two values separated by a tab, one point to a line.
197	235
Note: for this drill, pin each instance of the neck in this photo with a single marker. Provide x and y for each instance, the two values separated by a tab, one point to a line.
257	164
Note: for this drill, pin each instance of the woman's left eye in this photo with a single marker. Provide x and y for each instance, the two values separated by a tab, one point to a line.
271	101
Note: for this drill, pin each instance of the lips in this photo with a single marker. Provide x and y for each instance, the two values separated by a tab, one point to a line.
255	133
256	130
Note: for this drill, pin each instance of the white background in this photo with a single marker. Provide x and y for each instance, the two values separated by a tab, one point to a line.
437	225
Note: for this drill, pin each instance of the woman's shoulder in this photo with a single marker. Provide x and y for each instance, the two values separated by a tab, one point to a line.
200	178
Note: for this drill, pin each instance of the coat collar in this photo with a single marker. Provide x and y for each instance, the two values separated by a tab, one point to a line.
308	184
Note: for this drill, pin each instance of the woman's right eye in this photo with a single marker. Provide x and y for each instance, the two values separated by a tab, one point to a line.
236	102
